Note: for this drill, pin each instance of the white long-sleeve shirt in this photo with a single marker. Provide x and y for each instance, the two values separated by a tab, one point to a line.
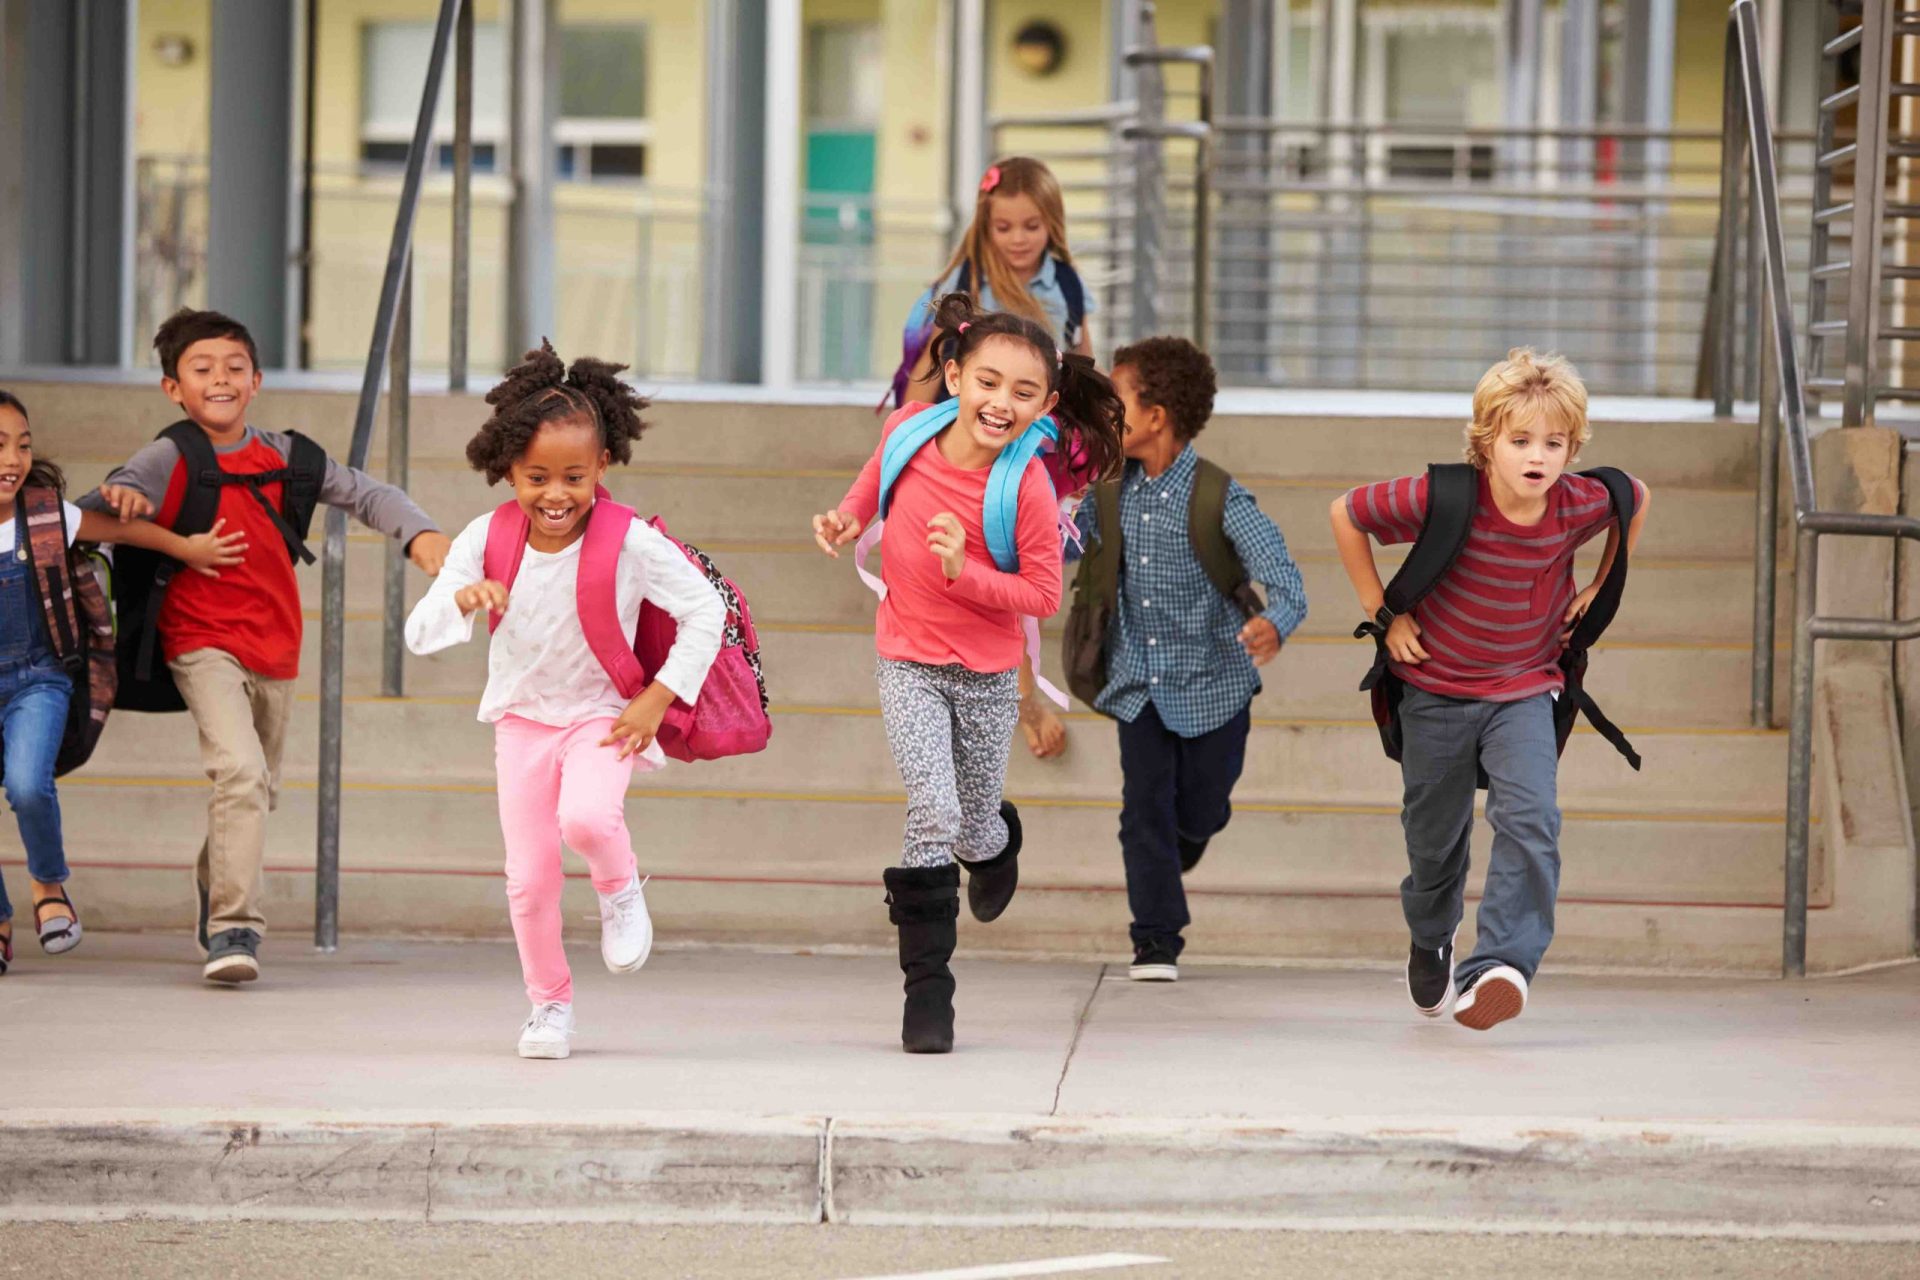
540	666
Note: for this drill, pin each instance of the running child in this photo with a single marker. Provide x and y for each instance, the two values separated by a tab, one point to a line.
37	694
566	742
1479	658
949	634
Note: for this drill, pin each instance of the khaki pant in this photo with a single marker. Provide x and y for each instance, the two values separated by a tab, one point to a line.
242	718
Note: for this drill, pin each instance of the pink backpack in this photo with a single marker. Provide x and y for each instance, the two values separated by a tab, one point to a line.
730	716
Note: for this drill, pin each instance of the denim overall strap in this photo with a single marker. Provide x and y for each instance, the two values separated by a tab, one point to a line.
23	631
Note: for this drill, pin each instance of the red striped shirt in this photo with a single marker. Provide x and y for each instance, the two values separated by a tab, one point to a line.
1492	624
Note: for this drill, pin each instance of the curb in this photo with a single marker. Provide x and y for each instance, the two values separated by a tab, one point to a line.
1585	1176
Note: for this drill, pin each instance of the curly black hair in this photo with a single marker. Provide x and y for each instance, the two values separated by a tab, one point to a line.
1088	405
542	389
1177	376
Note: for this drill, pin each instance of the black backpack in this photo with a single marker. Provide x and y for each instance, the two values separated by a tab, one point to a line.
1453	489
1096	585
141	578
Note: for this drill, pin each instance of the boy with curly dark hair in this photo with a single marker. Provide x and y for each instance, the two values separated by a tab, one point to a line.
231	644
1181	652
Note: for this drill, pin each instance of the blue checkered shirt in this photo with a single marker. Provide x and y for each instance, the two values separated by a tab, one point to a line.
1175	642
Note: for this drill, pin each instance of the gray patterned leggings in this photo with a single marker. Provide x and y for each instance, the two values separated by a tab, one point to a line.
951	730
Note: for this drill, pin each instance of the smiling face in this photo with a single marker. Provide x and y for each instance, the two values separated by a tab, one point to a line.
1002	388
16	458
554	480
1019	232
1528	456
216	382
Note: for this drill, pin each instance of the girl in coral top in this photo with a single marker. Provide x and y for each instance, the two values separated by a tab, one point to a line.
949	632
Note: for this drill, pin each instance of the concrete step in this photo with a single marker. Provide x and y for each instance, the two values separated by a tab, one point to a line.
831	750
1315	677
1307	881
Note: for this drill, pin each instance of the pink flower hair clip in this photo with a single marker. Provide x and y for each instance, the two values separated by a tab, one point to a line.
990	180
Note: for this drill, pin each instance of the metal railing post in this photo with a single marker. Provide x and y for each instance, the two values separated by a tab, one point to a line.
1793	947
460	281
393	614
1766	527
1202	203
1732	153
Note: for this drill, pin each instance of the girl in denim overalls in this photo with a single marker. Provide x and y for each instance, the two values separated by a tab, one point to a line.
35	690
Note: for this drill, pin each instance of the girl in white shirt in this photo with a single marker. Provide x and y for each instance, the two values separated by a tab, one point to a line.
565	741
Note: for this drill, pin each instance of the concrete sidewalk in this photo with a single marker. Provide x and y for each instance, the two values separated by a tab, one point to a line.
740	1085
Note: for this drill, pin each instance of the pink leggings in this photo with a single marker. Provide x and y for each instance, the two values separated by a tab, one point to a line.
555	785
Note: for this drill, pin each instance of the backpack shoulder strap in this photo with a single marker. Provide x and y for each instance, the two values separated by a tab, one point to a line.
1074	290
301	492
200	500
1000	509
1206	529
1606	602
1452	490
43	532
908	439
506	544
1102	563
597	595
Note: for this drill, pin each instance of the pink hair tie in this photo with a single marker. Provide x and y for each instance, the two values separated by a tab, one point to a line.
965	325
990	179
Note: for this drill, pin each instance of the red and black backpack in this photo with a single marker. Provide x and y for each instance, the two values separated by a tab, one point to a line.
1453	490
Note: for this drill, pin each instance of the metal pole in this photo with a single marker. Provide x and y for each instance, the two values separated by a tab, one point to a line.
780	318
1869	191
530	270
399	407
1202	202
1732	152
333	643
1793	962
1766	532
460	285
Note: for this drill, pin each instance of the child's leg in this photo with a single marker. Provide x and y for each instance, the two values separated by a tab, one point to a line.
986	711
1149	788
527	764
920	729
1518	751
593	804
1438	764
33	721
1210	765
220	694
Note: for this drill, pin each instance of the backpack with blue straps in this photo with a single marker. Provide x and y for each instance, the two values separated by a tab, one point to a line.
1000	509
916	336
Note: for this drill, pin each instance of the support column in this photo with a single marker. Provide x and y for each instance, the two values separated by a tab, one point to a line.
533	105
66	206
780	263
1336	333
1520	51
1648	73
1579	82
250	150
1123	33
1246	58
967	107
735	193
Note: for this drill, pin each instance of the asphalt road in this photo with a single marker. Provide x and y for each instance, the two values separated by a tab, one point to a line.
312	1251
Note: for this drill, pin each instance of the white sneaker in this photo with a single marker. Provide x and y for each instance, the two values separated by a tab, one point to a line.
548	1032
1496	995
626	930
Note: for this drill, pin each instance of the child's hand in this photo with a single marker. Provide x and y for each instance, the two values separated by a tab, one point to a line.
948	541
635	728
1046	736
206	552
482	595
833	530
129	504
428	551
1403	641
1578	610
1261	639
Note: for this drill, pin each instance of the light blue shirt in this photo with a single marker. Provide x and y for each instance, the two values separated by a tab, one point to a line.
1045	288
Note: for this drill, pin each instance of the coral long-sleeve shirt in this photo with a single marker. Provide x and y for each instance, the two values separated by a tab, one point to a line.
973	620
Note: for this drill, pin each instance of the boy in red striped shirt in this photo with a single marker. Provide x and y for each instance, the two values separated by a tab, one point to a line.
1479	656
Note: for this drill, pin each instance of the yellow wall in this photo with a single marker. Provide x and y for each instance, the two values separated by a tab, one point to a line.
170	113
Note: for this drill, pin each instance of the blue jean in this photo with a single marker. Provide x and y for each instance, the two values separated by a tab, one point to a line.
1171	787
1443	740
33	718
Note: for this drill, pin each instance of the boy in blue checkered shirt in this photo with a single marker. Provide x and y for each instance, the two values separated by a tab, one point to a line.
1181	656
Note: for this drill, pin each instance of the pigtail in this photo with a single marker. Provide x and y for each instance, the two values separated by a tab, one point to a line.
616	405
1091	409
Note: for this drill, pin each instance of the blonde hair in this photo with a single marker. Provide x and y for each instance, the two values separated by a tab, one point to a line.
1524	388
1019	176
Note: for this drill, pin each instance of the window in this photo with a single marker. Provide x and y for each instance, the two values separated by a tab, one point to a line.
602	133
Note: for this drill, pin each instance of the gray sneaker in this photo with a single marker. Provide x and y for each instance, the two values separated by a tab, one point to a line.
233	957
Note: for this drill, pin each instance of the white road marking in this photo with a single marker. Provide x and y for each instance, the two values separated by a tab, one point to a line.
1044	1267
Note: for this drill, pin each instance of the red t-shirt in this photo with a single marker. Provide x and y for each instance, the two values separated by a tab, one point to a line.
1491	626
252	610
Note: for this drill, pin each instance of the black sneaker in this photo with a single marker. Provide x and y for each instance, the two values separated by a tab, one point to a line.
233	957
1154	962
1430	978
200	929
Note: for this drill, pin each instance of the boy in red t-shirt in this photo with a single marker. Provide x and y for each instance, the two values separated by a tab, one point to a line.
232	643
1480	660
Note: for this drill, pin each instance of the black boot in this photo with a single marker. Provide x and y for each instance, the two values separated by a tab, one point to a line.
991	882
924	903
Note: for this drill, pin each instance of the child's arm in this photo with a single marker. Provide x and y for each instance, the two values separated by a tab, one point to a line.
444	617
203	552
1582	601
1086	522
382	507
135	488
1032	592
1263	551
835	529
1356	557
675	585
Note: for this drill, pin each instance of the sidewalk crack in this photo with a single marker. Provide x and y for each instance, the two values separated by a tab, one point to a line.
433	1150
1080	1025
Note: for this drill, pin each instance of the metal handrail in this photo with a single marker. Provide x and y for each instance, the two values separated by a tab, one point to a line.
396	291
1783	410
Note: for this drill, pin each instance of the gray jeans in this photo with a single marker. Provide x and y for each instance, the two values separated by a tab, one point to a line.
1443	740
951	730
